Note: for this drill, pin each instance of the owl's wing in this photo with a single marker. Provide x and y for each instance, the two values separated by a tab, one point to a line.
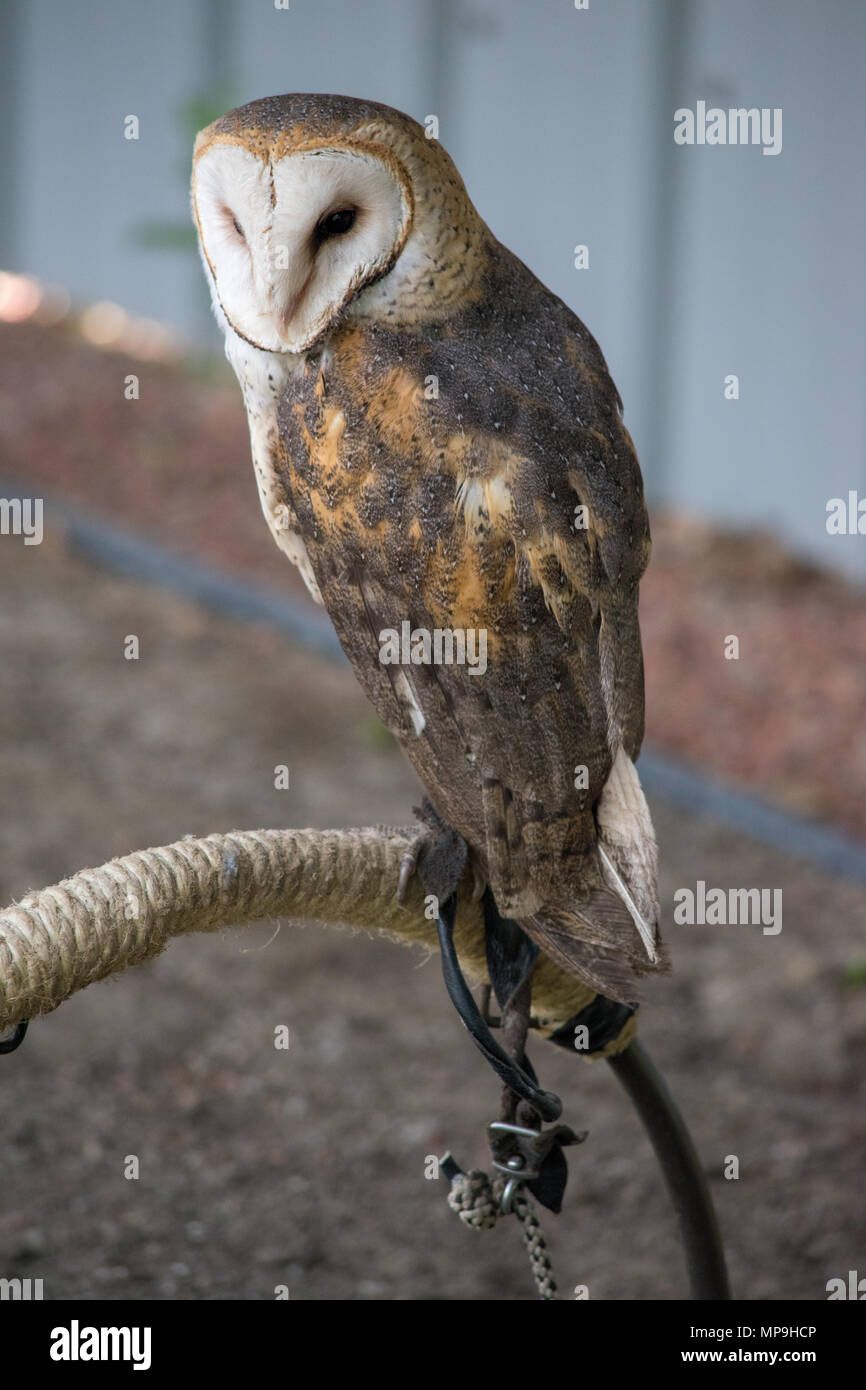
599	559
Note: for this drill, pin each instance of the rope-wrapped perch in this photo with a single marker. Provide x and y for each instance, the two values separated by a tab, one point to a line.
103	920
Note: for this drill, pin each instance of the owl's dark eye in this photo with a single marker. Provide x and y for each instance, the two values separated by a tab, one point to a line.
238	228
336	223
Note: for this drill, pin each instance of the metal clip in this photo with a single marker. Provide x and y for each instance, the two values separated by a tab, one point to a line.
515	1168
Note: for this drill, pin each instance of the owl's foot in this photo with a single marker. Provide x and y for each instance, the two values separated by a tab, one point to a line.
439	856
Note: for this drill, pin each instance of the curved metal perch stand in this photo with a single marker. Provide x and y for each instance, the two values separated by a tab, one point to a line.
103	920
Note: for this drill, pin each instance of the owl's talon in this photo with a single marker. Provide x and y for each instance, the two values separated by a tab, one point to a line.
408	866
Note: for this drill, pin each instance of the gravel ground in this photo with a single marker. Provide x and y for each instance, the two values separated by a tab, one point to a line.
306	1167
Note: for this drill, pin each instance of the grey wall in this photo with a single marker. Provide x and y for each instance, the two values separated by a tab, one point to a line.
703	261
770	278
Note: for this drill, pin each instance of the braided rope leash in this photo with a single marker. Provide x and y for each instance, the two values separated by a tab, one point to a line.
478	1200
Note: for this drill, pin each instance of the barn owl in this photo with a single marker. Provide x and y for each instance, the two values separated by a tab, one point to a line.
439	449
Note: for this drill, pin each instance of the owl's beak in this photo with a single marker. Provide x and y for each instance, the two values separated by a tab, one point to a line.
285	318
289	300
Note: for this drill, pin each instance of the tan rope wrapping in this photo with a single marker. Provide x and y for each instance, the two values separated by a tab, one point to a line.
103	920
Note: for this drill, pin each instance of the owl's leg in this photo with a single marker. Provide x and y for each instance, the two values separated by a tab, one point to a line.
438	855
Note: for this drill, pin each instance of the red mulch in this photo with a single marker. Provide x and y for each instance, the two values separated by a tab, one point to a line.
785	720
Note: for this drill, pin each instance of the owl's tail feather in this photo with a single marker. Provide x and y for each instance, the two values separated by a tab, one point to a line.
596	914
645	931
596	940
627	848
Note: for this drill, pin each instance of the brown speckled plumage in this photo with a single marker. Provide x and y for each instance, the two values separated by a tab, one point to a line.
458	511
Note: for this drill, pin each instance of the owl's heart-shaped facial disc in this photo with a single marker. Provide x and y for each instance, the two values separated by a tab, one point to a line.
290	241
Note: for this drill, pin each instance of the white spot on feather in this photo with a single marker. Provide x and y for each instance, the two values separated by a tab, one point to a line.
406	696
